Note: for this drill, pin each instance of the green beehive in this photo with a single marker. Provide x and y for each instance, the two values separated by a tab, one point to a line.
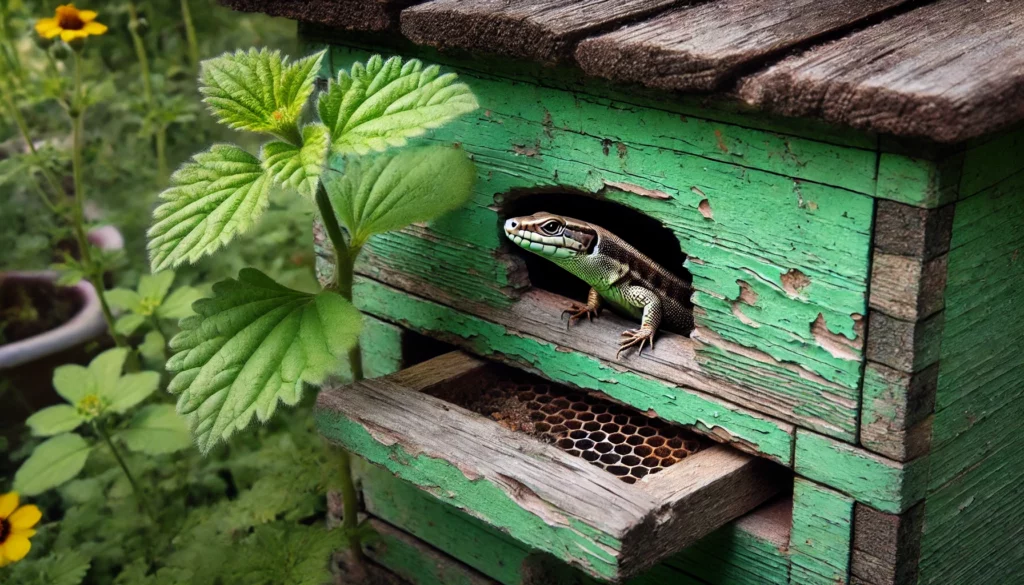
841	182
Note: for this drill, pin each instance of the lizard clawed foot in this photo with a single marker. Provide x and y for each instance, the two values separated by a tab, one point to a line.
634	338
576	312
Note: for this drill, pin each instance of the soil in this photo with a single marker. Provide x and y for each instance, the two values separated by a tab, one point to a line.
508	411
30	307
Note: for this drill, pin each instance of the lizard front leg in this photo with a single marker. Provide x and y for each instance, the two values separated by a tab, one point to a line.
640	297
590	311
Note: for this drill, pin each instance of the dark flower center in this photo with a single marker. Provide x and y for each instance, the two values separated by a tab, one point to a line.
5	530
69	20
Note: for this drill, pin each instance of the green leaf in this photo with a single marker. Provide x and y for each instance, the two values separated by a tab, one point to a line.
124	299
178	304
105	369
299	167
54	420
258	90
285	552
127	324
52	463
152	350
157	429
154	287
130	390
253	344
73	382
390	191
387	102
217	196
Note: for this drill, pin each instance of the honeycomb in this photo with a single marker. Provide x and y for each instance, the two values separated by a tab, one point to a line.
615	438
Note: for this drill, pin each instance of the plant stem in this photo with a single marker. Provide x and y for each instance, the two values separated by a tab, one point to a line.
23	129
190	35
140	52
344	263
161	154
95	276
140	496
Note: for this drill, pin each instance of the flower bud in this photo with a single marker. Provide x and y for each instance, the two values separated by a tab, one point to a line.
60	50
43	42
77	44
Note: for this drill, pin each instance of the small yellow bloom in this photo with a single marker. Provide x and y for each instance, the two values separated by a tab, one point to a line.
70	23
16	528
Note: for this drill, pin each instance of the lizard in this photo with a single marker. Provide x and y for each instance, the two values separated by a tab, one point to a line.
619	275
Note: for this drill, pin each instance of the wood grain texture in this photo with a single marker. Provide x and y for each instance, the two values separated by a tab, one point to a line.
821	540
720	420
974	517
705	46
905	230
886	547
545	31
896	411
541	495
886	485
415	562
925	181
908	346
749	551
360	15
907	288
947	71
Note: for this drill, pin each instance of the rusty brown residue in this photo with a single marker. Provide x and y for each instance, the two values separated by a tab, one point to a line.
738	313
838	346
638	190
747	294
705	209
721	142
794	282
621	148
530	151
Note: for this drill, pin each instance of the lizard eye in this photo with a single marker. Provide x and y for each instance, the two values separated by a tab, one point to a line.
551	227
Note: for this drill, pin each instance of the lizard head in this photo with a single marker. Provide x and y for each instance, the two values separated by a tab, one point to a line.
555	237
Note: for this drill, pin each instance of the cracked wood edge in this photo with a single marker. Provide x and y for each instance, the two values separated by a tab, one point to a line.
821	539
543	31
886	547
705	46
355	15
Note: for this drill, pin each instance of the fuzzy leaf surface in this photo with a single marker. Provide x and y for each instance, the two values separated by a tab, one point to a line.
258	90
253	344
52	463
390	191
299	167
218	195
384	103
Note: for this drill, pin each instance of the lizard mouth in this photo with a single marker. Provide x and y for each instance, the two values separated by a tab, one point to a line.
551	246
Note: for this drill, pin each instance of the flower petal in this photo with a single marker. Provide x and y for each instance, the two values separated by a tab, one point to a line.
16	547
87	15
8	504
25	517
94	28
27	532
46	24
69	35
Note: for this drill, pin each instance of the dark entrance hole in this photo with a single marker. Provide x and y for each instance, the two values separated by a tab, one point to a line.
643	232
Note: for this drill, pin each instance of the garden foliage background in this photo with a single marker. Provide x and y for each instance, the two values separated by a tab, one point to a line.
253	511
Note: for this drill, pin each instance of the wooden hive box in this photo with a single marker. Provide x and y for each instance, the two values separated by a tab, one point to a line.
842	182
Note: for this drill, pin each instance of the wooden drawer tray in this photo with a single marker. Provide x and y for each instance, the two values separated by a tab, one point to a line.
594	483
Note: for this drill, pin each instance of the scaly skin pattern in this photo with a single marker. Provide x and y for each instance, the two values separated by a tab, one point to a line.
618	274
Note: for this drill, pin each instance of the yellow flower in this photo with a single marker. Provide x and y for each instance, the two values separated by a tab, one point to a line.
16	528
70	23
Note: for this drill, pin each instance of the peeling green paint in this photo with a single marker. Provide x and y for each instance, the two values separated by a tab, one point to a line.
485	338
821	541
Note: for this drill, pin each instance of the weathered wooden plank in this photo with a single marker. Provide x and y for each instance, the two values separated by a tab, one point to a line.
361	15
907	288
919	182
905	230
705	46
381	344
722	421
749	551
908	346
414	561
991	161
544	31
973	516
947	71
883	484
896	409
820	542
886	547
520	484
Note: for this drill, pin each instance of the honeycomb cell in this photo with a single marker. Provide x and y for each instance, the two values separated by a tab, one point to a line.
558	429
598	436
566	443
621	419
610	458
623	449
602	417
663	452
542	427
617	438
604	447
536	416
555	419
549	408
628	429
631	460
599	409
639	472
675	443
561	402
591	456
580	407
655	441
578	434
680	453
610	428
543	398
642	450
585	416
651	462
635	440
647	431
584	444
592	426
573	425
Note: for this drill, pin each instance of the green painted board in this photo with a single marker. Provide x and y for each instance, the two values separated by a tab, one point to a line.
883	484
820	544
482	337
800	247
973	515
